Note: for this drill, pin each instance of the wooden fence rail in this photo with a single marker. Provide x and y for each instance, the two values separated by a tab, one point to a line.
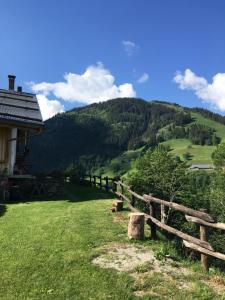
200	217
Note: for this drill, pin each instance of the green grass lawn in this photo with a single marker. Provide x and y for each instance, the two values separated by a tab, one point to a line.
47	249
219	128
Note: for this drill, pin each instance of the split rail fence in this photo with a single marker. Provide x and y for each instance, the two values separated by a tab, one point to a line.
200	217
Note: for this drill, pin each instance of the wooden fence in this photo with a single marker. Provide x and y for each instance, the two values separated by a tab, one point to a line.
200	217
101	182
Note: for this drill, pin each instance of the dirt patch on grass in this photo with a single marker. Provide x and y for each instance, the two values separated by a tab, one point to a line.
216	283
136	259
140	262
154	276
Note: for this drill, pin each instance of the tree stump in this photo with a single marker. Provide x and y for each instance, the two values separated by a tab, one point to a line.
117	205
136	226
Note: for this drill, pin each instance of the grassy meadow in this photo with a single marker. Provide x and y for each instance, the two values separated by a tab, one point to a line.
47	249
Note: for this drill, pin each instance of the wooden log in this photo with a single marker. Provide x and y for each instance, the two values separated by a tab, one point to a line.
189	211
203	250
136	226
118	205
200	221
204	237
181	234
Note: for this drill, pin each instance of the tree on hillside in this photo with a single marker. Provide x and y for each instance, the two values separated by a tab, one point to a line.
218	156
159	173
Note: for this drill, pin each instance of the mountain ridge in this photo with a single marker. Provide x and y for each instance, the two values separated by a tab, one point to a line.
99	132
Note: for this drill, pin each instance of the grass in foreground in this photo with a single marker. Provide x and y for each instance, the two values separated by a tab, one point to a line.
47	249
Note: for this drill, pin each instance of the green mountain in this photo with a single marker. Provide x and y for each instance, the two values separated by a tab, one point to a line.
99	134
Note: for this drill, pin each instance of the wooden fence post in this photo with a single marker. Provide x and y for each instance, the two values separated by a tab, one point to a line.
114	185
100	182
204	237
152	214
132	202
94	181
121	187
90	179
106	183
163	213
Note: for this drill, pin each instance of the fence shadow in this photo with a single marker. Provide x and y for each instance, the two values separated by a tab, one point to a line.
3	209
80	193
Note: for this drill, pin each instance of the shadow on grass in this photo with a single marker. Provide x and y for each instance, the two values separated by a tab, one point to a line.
3	209
73	193
80	193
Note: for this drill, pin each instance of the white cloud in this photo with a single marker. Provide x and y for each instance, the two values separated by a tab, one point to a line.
49	108
144	77
94	85
212	93
130	47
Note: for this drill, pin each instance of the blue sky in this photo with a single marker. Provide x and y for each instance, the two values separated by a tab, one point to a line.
115	48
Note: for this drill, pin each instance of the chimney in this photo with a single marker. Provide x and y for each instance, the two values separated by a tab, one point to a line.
11	82
19	89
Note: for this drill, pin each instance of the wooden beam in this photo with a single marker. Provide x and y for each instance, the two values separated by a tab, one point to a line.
202	222
137	196
189	211
181	234
203	250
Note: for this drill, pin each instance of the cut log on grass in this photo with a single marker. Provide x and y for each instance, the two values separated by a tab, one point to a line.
136	226
118	205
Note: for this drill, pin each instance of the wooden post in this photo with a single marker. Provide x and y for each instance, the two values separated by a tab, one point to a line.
122	190
114	185
90	178
163	213
132	202
106	183
100	182
94	181
136	226
152	225
204	237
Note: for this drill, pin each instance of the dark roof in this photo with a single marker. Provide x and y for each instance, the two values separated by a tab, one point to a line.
20	108
201	166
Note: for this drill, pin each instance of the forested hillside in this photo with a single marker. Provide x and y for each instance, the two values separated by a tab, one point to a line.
97	133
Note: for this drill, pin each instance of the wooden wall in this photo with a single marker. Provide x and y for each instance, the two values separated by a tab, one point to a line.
4	148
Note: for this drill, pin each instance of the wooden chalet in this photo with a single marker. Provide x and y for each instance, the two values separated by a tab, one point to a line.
20	117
